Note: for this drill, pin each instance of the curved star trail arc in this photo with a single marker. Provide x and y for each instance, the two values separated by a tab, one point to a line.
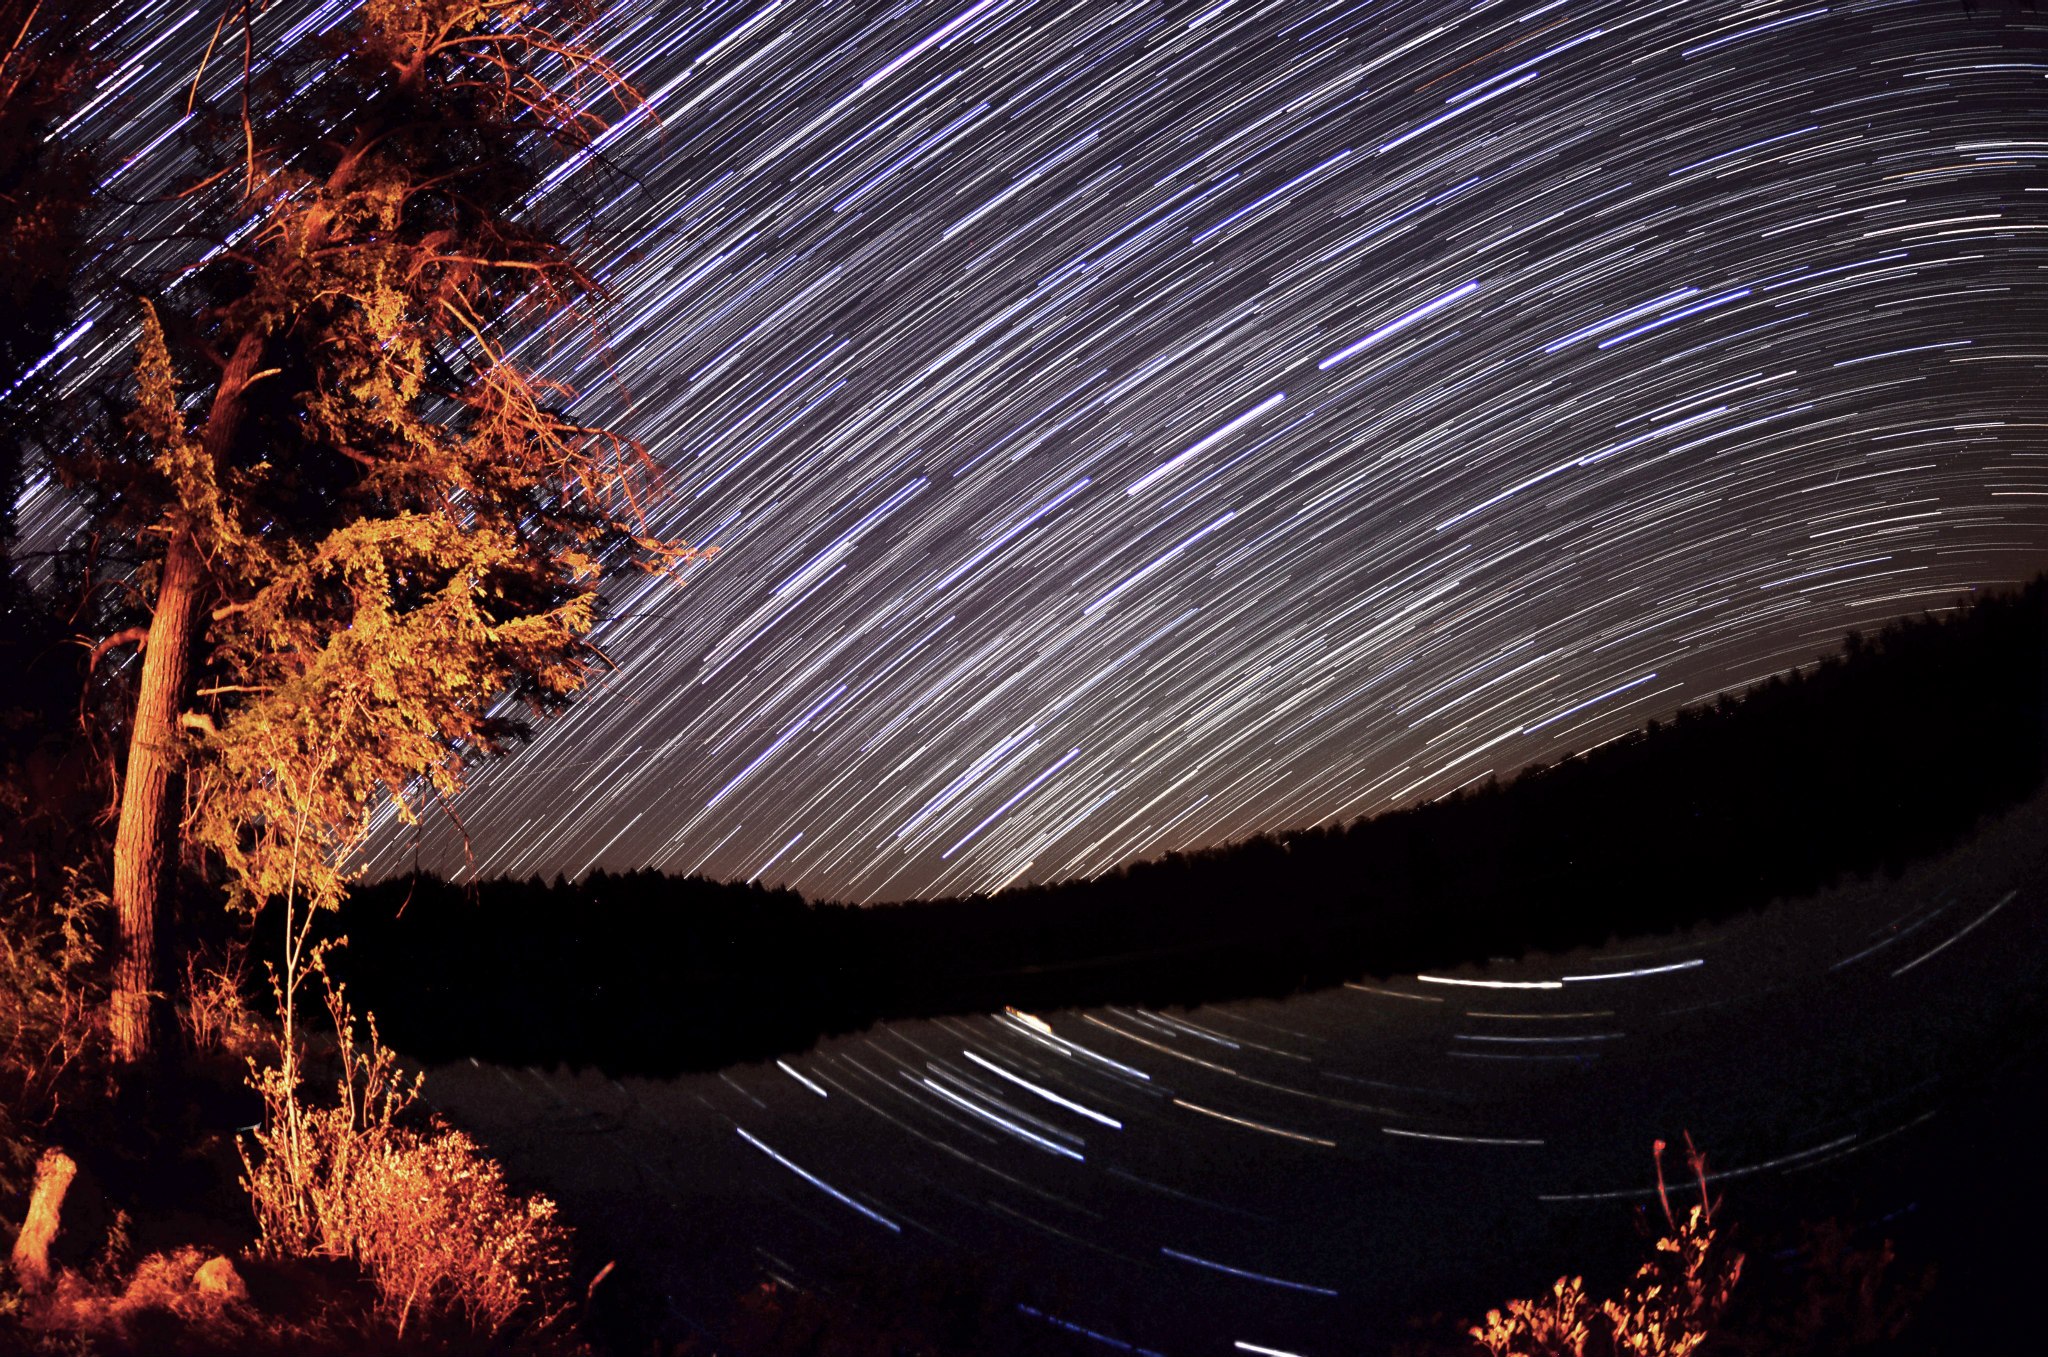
1126	428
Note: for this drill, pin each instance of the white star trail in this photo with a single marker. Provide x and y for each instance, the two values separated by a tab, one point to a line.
1194	388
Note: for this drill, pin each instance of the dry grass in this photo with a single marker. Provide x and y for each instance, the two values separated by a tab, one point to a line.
158	1303
1669	1309
181	1303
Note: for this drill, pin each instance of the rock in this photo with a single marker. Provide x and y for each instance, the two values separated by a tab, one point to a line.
217	1279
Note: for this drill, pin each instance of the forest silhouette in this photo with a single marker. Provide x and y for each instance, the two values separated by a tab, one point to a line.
1889	750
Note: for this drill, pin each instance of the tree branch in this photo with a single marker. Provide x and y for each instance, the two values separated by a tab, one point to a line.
139	636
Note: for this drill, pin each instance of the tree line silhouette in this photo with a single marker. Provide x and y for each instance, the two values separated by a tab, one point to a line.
1888	750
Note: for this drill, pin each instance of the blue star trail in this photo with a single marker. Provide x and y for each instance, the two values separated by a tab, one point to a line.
1124	428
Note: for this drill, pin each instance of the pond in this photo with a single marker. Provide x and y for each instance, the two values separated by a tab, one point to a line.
1305	1176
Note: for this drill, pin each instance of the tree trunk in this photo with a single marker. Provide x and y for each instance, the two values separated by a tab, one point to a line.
54	1172
145	841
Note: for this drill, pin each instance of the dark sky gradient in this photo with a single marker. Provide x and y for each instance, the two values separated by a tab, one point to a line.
1130	427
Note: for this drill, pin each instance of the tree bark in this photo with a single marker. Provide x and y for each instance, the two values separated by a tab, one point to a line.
145	841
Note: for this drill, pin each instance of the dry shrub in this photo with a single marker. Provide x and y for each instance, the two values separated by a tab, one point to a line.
1851	1296
425	1212
49	1008
1669	1309
438	1230
1558	1323
213	1008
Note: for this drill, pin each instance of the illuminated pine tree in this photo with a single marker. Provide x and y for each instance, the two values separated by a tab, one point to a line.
367	529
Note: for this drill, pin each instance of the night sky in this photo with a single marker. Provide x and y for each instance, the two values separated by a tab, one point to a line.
1126	428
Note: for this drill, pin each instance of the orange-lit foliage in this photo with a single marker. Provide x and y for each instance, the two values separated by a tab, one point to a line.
213	1010
157	1309
1669	1309
1549	1326
422	528
360	525
49	1010
424	1212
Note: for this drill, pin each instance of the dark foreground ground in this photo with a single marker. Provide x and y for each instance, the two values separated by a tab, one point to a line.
1308	1175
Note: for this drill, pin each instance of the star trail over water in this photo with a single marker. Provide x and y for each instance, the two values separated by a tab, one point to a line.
1125	428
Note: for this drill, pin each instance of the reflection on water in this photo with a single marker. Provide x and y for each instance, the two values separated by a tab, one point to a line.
1300	1176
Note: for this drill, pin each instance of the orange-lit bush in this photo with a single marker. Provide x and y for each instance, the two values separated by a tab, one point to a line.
425	1212
212	1010
49	1008
1669	1309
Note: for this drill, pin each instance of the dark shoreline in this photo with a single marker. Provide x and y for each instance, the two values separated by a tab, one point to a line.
1877	757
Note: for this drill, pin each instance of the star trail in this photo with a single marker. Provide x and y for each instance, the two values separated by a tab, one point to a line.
1125	428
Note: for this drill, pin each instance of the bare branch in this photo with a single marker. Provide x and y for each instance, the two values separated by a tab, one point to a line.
135	636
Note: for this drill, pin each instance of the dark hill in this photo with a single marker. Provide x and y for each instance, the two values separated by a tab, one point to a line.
1885	752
